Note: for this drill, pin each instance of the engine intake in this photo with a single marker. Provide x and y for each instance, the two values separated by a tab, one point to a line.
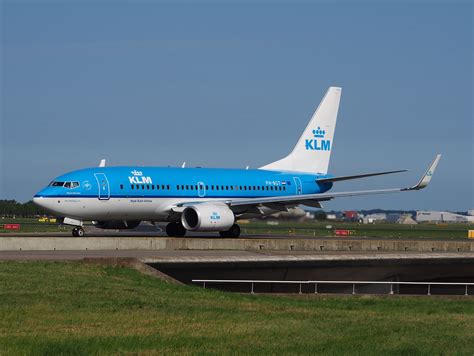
207	217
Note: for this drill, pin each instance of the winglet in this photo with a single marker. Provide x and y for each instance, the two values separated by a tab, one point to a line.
425	180
102	163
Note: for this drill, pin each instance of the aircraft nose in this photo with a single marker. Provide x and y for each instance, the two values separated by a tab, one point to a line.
38	201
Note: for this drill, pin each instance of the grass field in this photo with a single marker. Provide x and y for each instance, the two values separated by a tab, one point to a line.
380	230
72	308
307	228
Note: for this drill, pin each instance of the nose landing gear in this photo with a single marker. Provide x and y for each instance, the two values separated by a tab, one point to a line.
78	232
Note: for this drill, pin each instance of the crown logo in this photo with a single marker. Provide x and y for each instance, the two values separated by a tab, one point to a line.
319	133
136	173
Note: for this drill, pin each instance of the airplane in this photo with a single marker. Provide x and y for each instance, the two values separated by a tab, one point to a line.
208	199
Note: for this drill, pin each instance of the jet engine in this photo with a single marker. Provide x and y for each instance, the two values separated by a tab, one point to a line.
117	224
207	217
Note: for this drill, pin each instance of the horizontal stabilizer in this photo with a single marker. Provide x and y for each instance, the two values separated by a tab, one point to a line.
341	178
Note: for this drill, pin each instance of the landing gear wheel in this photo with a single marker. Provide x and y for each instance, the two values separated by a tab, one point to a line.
175	229
78	232
234	231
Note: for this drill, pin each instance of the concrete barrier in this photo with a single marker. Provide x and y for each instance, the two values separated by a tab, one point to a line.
280	244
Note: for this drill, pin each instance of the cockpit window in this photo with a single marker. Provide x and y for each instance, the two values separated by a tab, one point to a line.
71	185
57	184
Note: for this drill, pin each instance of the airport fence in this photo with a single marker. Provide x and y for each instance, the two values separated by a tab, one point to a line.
353	284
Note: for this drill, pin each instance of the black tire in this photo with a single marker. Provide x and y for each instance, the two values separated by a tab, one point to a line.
74	232
171	229
180	230
234	232
80	232
175	230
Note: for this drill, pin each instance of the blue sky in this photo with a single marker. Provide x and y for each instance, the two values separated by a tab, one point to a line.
234	84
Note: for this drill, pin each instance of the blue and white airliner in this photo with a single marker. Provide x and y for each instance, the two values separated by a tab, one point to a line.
208	199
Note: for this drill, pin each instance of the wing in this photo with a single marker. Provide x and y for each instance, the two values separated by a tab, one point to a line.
312	198
341	178
281	203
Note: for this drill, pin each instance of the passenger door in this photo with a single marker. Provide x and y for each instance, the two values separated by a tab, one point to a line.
201	189
104	188
299	189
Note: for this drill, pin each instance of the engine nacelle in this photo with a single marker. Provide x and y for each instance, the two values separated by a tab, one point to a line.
117	224
207	217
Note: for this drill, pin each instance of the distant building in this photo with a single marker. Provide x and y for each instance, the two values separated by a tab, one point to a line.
406	219
393	217
351	215
372	218
470	212
331	216
442	216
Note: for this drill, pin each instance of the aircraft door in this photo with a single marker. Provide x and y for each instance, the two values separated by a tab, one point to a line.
201	189
299	189
104	188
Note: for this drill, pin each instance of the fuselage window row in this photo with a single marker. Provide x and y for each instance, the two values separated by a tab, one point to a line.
197	187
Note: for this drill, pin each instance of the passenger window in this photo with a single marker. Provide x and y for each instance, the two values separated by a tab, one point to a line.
187	187
148	186
267	187
284	187
177	187
192	187
157	187
196	187
143	187
153	187
137	186
231	187
182	186
163	187
245	187
207	187
121	186
212	187
217	187
254	188
132	186
226	187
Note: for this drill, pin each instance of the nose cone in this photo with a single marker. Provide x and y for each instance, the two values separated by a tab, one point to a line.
40	197
38	200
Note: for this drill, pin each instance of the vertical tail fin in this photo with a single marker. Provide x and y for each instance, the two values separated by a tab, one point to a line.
313	150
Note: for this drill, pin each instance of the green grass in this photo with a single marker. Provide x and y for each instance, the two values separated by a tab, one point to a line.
72	308
306	228
379	230
32	225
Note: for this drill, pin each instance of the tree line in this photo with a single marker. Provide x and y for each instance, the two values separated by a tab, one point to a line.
12	208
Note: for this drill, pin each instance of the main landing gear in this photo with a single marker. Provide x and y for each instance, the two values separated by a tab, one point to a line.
234	231
78	232
175	229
